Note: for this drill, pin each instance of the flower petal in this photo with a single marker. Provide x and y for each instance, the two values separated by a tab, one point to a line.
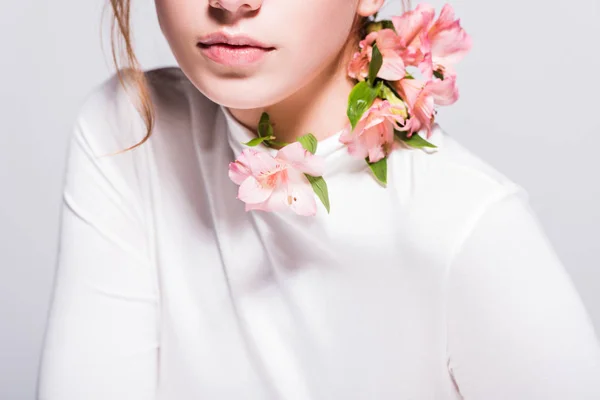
392	68
238	172
261	163
358	68
377	140
426	66
409	90
374	134
369	39
275	202
253	191
390	45
451	45
354	140
411	23
449	41
300	195
444	92
423	111
445	19
297	157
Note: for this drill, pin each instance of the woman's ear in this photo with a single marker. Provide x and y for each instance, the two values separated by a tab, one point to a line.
366	8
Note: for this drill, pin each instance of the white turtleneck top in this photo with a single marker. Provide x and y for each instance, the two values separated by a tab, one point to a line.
441	286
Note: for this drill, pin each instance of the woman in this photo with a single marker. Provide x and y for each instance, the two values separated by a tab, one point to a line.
175	282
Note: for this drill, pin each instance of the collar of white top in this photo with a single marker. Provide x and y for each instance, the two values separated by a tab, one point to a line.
239	134
330	148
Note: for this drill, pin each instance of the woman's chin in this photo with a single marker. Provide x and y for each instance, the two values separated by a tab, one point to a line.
241	93
239	103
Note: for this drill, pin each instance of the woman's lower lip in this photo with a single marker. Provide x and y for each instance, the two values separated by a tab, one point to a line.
234	55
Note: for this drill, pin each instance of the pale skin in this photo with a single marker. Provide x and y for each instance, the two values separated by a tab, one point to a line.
302	84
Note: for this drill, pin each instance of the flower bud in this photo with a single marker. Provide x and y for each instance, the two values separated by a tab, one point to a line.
398	105
374	27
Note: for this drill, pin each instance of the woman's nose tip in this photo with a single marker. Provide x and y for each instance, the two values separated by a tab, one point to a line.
234	5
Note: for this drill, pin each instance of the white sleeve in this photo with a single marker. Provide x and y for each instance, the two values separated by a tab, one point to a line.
101	339
517	328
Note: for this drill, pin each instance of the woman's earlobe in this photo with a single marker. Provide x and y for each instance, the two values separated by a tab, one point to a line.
367	8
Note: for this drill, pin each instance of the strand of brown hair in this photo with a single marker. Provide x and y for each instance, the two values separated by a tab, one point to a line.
122	48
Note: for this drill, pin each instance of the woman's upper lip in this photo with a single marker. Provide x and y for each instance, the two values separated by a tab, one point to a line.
234	40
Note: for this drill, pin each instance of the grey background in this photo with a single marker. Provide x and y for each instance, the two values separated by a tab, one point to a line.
529	107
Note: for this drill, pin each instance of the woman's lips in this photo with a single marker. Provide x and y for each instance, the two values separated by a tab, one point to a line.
231	55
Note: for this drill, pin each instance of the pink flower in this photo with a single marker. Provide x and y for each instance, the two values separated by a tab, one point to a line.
448	41
358	68
421	97
373	135
432	45
412	27
275	183
389	46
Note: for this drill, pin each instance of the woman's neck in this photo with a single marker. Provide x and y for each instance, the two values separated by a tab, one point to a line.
318	108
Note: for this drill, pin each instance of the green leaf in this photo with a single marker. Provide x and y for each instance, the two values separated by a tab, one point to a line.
415	140
360	99
375	26
388	24
320	188
438	75
265	129
375	64
258	140
309	142
379	169
275	143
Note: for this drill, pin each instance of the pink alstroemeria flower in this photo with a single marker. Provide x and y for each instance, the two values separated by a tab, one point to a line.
276	183
412	27
373	135
432	45
389	46
448	42
421	97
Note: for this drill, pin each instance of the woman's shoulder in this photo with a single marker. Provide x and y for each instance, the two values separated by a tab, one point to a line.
456	171
108	122
447	189
111	110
